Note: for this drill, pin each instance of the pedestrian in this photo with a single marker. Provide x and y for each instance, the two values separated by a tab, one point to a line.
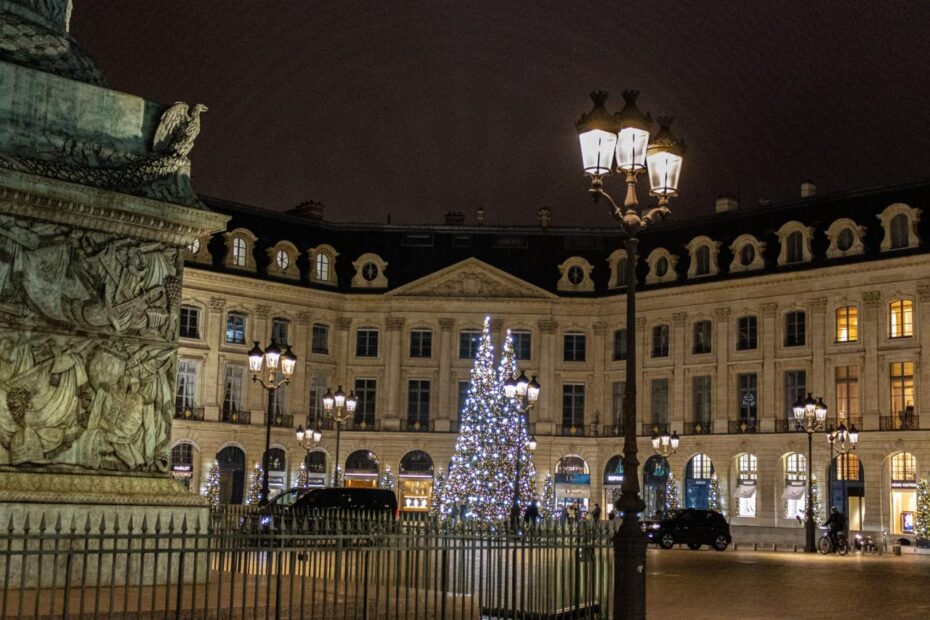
596	513
611	515
531	514
571	513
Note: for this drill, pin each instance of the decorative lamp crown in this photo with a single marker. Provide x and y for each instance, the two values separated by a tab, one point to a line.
256	356
597	133
633	136
288	362
664	158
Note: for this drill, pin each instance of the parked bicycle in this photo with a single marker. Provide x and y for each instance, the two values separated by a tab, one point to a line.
865	544
825	545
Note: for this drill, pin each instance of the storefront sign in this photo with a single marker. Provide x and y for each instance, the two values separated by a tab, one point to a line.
276	480
180	468
316	481
573	493
573	478
903	484
613	479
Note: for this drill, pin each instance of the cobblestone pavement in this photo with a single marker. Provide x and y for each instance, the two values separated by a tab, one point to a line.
742	584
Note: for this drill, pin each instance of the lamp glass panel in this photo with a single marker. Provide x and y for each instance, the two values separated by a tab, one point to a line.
664	170
597	151
631	149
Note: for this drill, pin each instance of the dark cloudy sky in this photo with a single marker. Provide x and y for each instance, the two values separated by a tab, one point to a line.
417	108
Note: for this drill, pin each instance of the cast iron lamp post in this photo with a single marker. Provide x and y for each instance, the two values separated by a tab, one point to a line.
625	139
842	442
271	358
340	408
810	415
526	393
665	445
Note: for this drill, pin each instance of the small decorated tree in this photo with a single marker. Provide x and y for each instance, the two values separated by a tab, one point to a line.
255	485
303	477
547	506
671	493
818	502
438	481
922	518
212	490
387	479
337	477
714	501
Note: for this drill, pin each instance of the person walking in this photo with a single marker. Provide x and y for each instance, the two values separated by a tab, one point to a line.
531	514
596	513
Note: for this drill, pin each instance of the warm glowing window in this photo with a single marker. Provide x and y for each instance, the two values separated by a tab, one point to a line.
903	467
847	392
701	467
240	247
847	324
902	386
748	466
795	467
847	467
901	318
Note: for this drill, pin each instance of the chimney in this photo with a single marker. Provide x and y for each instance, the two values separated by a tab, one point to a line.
455	218
479	216
545	216
726	203
808	189
312	210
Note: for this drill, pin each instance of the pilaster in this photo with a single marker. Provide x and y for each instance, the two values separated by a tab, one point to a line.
392	370
447	396
600	391
871	330
549	404
679	344
818	341
769	334
721	381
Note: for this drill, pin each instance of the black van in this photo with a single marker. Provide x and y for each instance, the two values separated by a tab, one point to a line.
372	501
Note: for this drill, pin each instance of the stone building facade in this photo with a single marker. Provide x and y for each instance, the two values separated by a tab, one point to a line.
739	314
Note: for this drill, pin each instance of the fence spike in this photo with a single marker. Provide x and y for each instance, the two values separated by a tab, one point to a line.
26	524
103	523
184	524
116	523
42	523
145	523
9	524
58	523
87	524
158	523
171	523
73	526
129	527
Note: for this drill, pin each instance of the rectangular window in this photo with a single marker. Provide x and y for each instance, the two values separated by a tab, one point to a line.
573	349
418	403
619	345
901	319
795	329
522	345
660	401
847	324
279	329
795	390
317	389
232	391
279	398
421	343
469	341
190	322
660	341
702	337
365	391
616	392
847	392
186	392
319	340
573	405
462	398
701	399
746	478
902	387
747	334
366	342
235	328
748	400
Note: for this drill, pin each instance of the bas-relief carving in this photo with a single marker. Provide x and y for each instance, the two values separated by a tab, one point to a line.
471	284
87	345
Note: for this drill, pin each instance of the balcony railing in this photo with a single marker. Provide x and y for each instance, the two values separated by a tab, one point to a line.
281	420
900	422
189	413
416	426
612	430
570	430
362	425
234	416
787	426
743	426
849	421
700	427
654	428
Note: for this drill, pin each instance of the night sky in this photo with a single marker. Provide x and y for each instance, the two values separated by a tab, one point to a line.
413	109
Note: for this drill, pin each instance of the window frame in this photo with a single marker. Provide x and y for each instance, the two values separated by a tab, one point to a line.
747	334
421	343
244	319
795	328
574	347
363	347
315	330
660	341
702	333
846	318
190	309
902	319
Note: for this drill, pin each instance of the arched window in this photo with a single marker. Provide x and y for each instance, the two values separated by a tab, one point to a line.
795	253
240	248
703	261
416	462
747	473
231	462
182	463
322	267
795	493
315	462
900	237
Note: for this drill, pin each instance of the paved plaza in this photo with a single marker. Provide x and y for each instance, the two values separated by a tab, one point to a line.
743	584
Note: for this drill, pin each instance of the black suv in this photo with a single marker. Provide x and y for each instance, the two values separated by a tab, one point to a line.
691	527
371	501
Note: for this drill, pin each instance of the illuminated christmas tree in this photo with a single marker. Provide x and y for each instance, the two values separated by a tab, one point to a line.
713	497
671	493
922	518
303	477
547	506
387	479
481	477
818	502
439	481
255	485
337	477
212	490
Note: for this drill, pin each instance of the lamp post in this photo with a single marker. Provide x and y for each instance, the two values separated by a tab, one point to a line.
625	138
269	361
340	408
308	440
526	393
665	445
810	415
843	442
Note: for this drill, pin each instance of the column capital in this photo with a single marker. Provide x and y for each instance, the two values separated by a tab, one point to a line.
871	299
303	318
818	304
262	311
497	325
217	304
343	323
769	309
679	318
923	292
395	323
548	326
640	322
600	328
446	324
722	314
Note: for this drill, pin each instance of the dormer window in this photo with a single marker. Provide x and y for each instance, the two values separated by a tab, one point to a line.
617	262
747	254
703	252
322	267
899	234
795	248
661	266
846	238
795	240
283	260
369	272
900	224
239	244
240	250
323	264
576	275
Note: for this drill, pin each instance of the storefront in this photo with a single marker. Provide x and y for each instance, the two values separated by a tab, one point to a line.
698	475
744	491
572	483
315	464
415	482
362	470
231	463
903	493
613	479
847	488
182	463
277	471
794	494
655	477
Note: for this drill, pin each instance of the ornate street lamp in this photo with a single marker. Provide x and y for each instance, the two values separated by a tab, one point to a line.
340	408
622	143
842	442
665	445
810	415
270	361
526	393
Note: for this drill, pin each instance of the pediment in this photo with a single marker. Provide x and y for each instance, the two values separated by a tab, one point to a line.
471	278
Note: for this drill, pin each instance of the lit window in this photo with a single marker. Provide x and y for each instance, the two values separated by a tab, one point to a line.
847	393
903	467
282	259
902	388
901	318
240	248
747	475
322	267
235	328
193	247
847	324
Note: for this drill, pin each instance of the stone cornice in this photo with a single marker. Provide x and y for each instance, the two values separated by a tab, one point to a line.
84	488
27	195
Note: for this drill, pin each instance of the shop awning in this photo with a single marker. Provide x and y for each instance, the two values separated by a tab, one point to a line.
745	491
794	492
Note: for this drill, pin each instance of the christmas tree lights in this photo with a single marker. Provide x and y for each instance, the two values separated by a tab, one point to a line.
212	490
713	497
387	479
672	501
922	518
303	477
547	507
255	485
439	481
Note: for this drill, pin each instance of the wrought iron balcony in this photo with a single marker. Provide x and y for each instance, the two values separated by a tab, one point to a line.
189	413
900	422
699	427
282	420
362	424
654	428
743	426
234	416
612	430
577	431
416	426
848	421
787	426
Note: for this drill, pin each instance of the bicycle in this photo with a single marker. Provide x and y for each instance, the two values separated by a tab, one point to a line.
825	545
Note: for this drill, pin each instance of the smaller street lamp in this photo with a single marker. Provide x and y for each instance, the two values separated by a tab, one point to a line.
665	445
340	408
810	416
843	442
526	393
270	361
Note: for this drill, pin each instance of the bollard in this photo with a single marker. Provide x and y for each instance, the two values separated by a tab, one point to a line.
896	549
755	546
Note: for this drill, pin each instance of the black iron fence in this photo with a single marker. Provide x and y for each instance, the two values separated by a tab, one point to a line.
239	564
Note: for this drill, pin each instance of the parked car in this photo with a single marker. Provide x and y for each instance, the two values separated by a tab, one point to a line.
370	501
691	527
